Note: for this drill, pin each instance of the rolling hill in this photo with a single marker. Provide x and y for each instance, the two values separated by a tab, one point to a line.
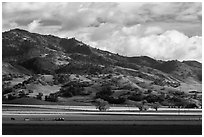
35	55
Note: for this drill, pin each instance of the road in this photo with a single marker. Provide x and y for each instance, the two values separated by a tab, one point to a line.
92	109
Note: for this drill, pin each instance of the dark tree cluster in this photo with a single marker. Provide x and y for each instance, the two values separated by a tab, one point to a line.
106	93
61	78
70	89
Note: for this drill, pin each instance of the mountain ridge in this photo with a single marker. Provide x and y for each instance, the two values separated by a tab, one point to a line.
21	46
67	70
54	36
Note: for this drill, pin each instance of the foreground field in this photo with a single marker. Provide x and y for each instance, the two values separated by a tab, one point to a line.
98	129
42	121
101	125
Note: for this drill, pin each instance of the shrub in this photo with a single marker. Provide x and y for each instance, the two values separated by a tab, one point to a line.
7	90
191	105
101	105
151	98
11	97
163	88
39	96
141	106
60	79
178	101
22	94
19	86
94	70
52	98
7	77
71	89
159	82
199	76
136	97
119	100
113	100
105	91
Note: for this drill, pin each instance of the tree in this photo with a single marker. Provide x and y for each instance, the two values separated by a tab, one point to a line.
151	98
39	96
136	97
141	106
72	88
104	93
155	105
102	105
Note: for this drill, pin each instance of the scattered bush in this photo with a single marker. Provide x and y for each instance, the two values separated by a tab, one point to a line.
7	90
7	77
148	91
151	98
160	82
61	79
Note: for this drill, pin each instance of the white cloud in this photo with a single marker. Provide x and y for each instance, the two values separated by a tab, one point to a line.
169	45
133	30
127	28
34	25
78	15
153	30
103	32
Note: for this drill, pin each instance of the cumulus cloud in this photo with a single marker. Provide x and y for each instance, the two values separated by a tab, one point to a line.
34	25
160	30
72	16
169	45
153	30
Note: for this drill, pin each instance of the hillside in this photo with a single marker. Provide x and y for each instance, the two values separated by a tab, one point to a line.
79	70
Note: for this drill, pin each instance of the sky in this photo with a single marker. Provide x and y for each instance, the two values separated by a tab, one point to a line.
166	31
